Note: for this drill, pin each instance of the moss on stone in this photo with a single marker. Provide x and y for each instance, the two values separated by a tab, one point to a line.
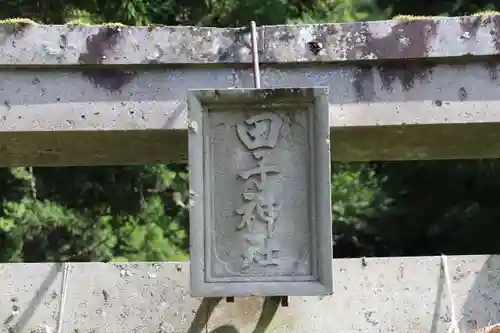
486	13
83	24
73	23
421	17
414	17
18	21
80	23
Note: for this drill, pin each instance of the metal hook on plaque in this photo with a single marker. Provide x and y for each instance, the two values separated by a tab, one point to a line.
283	300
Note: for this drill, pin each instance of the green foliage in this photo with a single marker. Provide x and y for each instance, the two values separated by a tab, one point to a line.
357	195
30	226
342	11
93	214
358	201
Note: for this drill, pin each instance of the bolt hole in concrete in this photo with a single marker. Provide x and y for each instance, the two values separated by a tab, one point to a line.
315	47
462	94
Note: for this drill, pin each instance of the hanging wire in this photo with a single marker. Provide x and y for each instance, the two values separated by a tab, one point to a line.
454	320
255	55
62	304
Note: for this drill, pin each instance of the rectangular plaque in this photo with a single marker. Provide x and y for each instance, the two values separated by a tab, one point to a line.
260	219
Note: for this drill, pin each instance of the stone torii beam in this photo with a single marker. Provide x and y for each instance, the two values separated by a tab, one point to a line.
399	89
418	89
398	295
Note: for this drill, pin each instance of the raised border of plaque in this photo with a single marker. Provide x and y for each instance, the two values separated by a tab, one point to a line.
246	239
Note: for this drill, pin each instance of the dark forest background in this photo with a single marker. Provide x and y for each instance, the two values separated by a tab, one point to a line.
138	213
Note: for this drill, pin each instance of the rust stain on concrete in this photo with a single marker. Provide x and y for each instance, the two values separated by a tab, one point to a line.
495	32
406	40
492	69
406	73
363	83
16	31
470	25
97	47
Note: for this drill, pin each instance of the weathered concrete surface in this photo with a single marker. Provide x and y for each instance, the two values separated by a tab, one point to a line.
156	100
92	148
69	45
382	294
376	113
128	90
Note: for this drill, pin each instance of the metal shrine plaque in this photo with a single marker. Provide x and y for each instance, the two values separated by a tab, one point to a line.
260	219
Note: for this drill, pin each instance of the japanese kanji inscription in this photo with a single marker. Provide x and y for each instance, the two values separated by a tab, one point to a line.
260	178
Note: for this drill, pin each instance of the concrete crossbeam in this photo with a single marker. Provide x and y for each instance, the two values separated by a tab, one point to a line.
59	45
51	118
79	95
380	294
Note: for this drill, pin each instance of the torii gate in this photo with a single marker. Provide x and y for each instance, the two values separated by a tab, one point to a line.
398	90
